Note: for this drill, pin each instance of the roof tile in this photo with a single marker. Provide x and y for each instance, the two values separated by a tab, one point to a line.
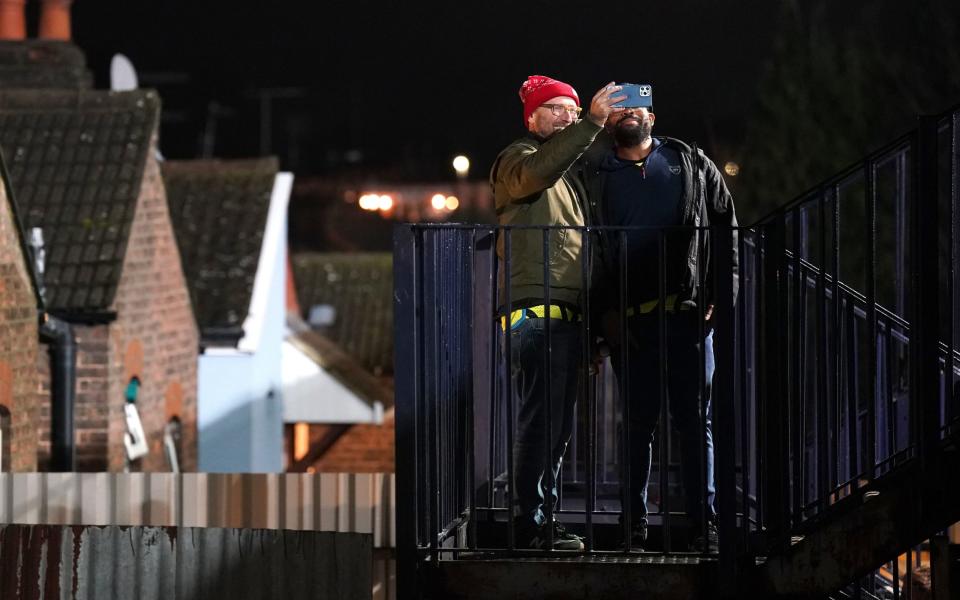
219	213
64	174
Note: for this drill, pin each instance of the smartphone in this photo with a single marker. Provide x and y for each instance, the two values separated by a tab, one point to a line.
637	95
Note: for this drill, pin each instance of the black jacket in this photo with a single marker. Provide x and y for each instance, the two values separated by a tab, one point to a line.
705	202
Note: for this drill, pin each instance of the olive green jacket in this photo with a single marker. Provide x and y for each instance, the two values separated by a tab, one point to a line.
531	186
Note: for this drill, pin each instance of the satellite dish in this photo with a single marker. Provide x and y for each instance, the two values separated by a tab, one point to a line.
123	77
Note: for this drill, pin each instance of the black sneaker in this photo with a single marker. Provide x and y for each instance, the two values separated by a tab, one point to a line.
535	537
710	544
560	532
638	536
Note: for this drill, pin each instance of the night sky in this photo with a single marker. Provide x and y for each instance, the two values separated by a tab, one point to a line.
397	89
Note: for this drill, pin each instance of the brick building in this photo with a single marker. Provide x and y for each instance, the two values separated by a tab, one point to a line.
230	222
19	342
83	167
347	299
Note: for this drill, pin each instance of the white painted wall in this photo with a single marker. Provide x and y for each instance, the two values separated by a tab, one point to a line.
240	398
311	395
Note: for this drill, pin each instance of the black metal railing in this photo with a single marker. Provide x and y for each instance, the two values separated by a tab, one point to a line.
837	364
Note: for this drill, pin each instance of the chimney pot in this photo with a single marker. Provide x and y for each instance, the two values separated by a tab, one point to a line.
13	21
55	20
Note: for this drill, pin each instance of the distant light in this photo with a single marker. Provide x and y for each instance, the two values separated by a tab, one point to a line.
438	201
461	164
369	201
731	168
385	202
451	202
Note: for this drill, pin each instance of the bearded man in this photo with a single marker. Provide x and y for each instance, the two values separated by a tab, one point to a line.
660	186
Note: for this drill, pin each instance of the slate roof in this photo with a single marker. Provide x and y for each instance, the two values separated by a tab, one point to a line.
33	64
219	212
359	286
76	161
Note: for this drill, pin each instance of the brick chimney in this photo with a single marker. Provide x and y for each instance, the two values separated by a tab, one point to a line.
55	20
13	22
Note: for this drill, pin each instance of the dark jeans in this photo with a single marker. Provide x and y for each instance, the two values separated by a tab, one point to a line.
683	393
529	349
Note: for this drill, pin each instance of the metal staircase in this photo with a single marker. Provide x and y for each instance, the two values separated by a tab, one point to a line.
836	404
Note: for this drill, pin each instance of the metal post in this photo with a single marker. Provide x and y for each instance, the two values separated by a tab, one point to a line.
589	399
625	397
870	431
725	406
926	308
508	392
406	386
547	392
823	378
771	359
664	465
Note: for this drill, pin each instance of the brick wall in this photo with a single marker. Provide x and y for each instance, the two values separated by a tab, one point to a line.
155	336
361	449
19	346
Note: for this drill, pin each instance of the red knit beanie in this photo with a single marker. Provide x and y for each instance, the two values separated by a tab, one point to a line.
537	89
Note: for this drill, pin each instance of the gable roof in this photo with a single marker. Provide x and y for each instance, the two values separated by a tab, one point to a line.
33	64
359	288
219	211
76	162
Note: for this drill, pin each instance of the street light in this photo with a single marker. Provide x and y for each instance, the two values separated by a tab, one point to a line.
461	164
385	202
438	201
451	202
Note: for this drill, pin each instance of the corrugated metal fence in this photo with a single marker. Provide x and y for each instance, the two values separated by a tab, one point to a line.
149	563
334	502
347	502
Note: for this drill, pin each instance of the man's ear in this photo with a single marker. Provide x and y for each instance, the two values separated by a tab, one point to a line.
653	118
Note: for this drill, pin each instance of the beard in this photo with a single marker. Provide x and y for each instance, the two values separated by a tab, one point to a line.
628	136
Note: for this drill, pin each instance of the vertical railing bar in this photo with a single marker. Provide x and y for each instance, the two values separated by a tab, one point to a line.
953	200
870	174
805	465
468	434
723	393
925	324
423	518
908	574
586	265
547	391
853	463
495	369
760	386
433	418
409	386
794	378
508	359
741	312
896	578
625	398
663	422
823	385
702	381
891	409
837	344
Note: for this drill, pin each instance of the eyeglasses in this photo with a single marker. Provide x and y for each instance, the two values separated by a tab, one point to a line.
557	109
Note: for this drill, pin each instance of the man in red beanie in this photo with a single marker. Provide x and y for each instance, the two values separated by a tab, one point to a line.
531	187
